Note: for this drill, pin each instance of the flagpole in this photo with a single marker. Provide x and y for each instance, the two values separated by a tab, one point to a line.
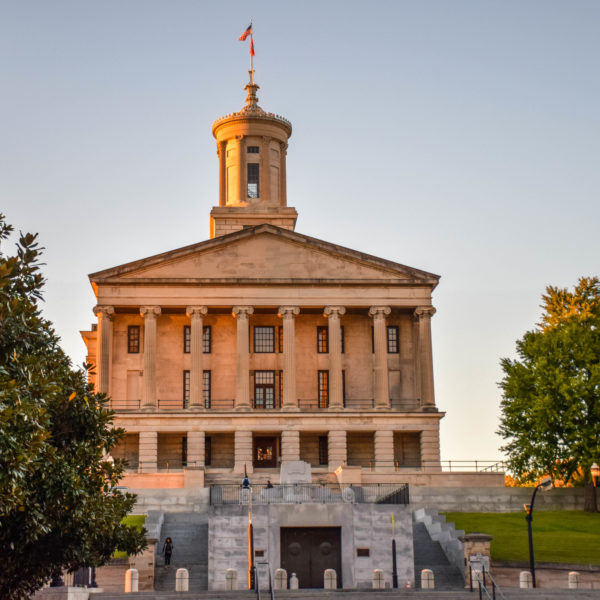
251	56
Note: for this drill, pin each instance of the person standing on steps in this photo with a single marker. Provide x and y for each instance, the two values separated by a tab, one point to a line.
167	551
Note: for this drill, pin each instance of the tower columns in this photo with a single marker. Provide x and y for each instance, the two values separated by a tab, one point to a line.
242	185
222	152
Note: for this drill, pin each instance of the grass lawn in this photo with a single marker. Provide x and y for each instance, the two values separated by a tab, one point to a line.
138	521
558	536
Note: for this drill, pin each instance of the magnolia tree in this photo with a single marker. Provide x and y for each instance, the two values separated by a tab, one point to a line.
551	393
58	506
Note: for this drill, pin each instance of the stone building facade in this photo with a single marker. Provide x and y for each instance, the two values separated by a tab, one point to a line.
262	345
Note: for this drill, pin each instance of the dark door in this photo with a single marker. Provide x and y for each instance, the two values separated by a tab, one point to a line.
265	452
308	551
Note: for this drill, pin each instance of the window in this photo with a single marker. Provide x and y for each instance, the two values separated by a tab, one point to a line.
187	339
252	180
264	339
323	450
207	451
343	341
344	386
133	339
392	339
323	340
280	338
323	389
264	389
206	388
207	340
372	339
252	149
186	389
280	388
184	451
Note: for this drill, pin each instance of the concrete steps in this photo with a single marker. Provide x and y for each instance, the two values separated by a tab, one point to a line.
429	555
189	532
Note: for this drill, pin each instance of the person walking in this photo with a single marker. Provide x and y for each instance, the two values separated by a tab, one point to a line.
167	551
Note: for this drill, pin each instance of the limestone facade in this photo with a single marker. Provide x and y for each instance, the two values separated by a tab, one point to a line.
262	344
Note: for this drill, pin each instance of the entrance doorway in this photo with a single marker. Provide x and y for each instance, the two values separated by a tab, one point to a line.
308	551
265	452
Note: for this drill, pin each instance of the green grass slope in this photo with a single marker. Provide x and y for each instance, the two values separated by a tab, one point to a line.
558	536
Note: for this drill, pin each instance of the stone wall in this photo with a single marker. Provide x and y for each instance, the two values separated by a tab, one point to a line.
362	525
547	575
361	448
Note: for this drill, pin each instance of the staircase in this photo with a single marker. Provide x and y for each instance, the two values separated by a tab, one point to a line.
429	555
189	532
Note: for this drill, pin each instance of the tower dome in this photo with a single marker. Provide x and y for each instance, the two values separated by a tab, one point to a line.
251	145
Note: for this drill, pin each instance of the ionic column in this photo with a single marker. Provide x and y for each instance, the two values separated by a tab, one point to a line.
282	175
336	386
381	377
265	171
242	397
150	314
384	450
196	314
195	448
423	315
105	332
290	445
337	449
222	153
243	452
243	186
148	451
287	313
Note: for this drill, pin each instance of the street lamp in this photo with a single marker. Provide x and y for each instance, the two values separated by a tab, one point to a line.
544	485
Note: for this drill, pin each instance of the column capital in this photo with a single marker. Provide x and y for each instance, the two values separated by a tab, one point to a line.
150	312
242	312
284	147
424	312
379	312
334	311
107	311
288	311
196	311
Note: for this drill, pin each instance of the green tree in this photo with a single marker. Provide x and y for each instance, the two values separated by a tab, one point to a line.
551	393
58	508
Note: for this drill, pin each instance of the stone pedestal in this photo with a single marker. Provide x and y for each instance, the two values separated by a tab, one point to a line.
475	544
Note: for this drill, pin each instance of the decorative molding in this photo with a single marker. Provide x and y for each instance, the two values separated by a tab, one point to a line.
150	312
334	311
195	311
288	311
107	311
379	312
242	312
422	312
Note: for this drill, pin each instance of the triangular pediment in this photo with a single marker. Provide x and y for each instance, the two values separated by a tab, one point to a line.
265	253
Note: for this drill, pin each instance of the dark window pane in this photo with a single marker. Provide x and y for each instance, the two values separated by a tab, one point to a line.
206	390
207	451
133	339
264	389
280	336
323	340
323	450
343	339
207	340
186	388
323	389
264	339
252	149
392	339
253	180
187	339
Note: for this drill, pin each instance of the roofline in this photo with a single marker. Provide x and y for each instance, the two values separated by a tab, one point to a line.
427	278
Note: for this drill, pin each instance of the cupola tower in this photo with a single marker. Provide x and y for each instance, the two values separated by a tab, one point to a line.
251	145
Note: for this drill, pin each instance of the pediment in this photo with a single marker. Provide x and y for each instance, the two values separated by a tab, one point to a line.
265	253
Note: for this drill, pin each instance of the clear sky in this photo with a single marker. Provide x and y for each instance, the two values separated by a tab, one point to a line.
458	137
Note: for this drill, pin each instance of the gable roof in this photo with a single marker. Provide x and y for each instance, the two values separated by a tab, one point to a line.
264	253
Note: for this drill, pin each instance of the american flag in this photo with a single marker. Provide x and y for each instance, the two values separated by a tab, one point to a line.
246	33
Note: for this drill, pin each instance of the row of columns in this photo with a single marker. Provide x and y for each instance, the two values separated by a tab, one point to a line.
290	448
287	313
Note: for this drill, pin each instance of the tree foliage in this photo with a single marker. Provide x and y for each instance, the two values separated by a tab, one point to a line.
58	509
551	393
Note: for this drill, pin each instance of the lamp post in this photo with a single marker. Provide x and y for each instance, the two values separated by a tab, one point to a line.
595	471
247	491
544	485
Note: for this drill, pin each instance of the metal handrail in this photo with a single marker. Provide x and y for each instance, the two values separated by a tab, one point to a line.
271	589
483	587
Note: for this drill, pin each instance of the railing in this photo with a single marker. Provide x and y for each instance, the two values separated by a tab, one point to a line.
307	493
269	405
446	466
221	405
172	404
402	405
123	404
162	465
482	578
405	404
357	404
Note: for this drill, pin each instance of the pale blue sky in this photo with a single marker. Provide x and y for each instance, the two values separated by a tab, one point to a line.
459	137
